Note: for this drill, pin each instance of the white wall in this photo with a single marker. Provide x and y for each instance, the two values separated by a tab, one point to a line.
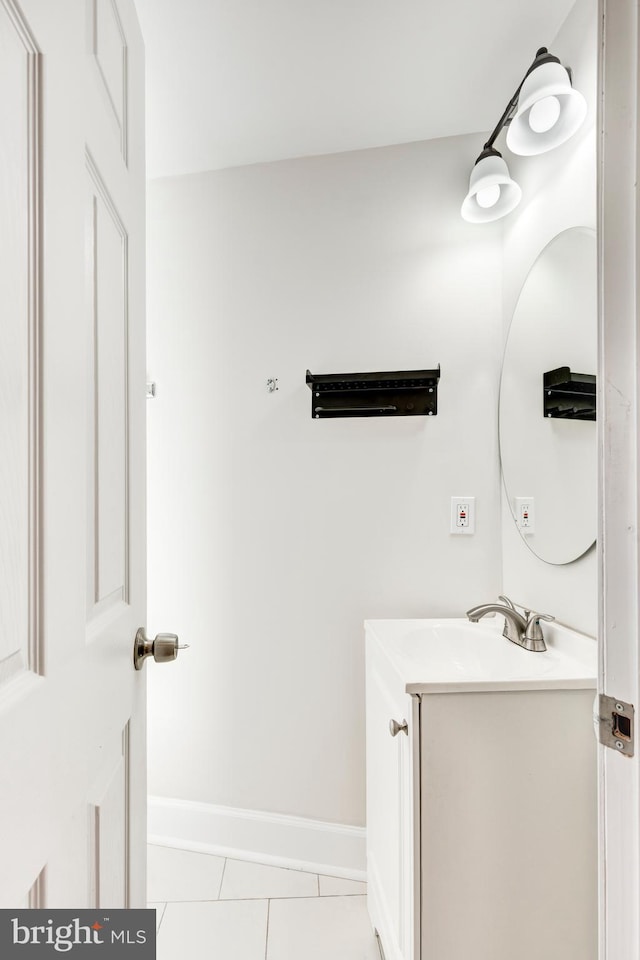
559	191
273	536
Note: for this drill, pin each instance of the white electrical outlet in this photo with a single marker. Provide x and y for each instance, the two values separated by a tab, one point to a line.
463	515
525	510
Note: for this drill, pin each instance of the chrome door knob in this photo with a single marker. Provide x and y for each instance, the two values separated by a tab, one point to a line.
395	727
163	648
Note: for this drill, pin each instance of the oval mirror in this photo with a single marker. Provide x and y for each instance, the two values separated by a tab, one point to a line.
548	447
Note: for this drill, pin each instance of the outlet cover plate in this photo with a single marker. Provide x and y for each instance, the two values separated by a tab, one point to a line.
525	511
463	515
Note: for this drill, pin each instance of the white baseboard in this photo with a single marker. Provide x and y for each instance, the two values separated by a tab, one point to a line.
332	849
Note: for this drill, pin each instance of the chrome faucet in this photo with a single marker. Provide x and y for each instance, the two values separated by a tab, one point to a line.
523	629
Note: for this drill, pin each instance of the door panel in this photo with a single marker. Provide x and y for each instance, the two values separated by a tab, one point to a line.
109	833
108	520
72	415
392	781
19	373
108	45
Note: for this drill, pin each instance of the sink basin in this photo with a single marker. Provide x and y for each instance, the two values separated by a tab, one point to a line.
449	655
465	650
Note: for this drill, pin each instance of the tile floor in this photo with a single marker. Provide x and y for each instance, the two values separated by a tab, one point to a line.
213	908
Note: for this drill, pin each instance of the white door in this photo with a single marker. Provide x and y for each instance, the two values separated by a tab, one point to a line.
72	454
618	414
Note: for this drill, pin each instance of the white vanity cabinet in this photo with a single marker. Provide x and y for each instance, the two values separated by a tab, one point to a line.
482	818
392	810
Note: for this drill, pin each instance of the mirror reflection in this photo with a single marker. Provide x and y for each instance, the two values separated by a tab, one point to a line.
548	440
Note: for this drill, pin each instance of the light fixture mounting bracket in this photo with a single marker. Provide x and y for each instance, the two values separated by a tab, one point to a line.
488	152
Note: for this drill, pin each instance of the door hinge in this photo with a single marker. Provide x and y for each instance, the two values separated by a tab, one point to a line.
616	724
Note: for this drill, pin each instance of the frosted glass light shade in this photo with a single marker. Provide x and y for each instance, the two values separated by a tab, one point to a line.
547	80
490	171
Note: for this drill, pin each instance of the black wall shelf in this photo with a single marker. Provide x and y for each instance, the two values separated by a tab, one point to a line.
569	396
406	393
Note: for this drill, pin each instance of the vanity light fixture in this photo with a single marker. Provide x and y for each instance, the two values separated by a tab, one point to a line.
492	192
544	112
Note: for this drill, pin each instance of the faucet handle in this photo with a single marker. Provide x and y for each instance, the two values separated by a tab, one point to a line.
507	602
534	630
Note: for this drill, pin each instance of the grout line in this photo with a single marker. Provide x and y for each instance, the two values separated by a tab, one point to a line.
289	896
331	876
266	939
272	866
164	908
224	867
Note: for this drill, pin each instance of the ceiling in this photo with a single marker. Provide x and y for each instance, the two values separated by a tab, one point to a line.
232	82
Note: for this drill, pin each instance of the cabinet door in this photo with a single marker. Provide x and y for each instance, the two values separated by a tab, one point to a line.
390	816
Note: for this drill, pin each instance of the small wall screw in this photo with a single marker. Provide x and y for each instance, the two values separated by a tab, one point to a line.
619	708
619	745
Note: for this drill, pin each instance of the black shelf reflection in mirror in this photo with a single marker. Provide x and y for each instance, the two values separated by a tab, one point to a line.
401	393
568	395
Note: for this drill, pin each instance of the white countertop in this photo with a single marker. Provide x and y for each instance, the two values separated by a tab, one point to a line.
454	655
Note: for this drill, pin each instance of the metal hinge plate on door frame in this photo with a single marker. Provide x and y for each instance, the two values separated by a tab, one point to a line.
616	724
